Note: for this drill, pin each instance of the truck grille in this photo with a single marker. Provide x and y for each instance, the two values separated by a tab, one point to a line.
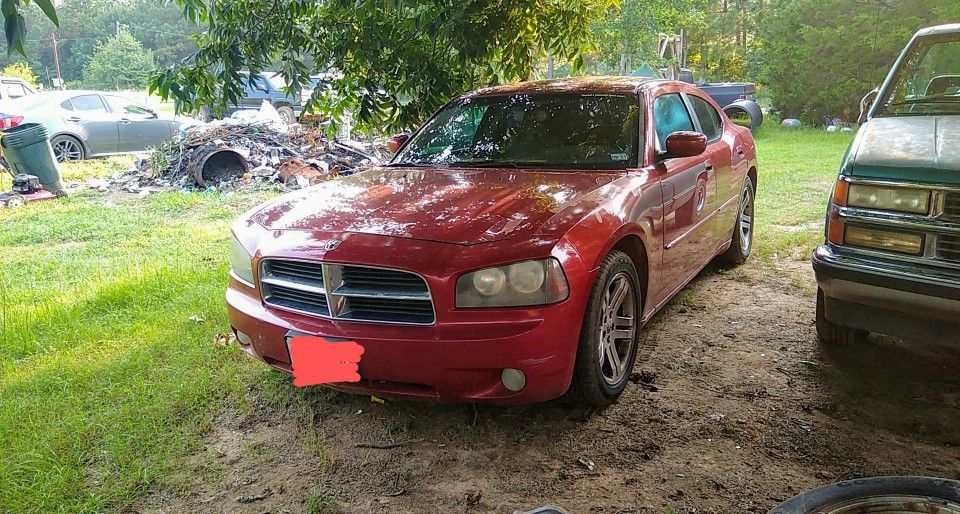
341	291
948	248
951	205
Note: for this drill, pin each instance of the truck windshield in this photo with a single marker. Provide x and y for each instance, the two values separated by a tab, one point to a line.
580	131
927	81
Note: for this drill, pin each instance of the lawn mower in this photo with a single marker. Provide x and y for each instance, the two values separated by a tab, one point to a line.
26	189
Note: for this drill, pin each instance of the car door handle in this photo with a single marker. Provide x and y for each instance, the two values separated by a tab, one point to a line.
740	151
708	166
125	121
74	119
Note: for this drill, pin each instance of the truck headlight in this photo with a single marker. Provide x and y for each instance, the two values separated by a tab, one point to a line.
884	240
521	284
916	201
241	262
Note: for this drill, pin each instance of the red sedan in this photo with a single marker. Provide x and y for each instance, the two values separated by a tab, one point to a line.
513	248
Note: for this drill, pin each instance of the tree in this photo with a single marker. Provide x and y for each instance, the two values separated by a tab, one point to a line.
21	70
120	63
819	57
392	62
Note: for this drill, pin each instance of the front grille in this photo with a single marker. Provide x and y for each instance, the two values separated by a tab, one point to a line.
951	205
356	293
948	248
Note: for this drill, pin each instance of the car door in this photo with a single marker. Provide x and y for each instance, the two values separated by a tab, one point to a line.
688	185
139	128
719	156
255	94
87	115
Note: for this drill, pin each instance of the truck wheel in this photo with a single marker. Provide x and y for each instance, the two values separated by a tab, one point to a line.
286	114
831	333
610	334
742	241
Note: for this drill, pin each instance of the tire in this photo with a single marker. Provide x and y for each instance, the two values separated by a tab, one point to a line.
830	333
877	494
67	148
742	242
597	379
286	114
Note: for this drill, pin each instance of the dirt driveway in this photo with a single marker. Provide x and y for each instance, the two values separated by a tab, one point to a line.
738	409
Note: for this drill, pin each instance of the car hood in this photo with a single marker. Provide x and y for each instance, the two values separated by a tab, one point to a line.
460	206
918	148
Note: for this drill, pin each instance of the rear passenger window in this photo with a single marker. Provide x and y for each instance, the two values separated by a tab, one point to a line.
670	115
88	103
710	121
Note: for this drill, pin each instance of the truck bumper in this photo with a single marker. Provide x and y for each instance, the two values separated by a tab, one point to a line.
898	299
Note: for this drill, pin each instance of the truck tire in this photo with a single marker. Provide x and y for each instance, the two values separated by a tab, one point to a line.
286	114
877	494
831	333
745	113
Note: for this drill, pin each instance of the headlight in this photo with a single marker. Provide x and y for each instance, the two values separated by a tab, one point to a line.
884	240
240	261
520	284
899	199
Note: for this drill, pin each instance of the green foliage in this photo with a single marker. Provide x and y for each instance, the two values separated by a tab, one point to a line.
20	70
399	60
120	63
819	57
627	35
15	25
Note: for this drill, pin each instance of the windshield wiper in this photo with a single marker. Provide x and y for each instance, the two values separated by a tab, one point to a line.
942	98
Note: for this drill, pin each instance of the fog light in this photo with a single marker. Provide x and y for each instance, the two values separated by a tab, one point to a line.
243	338
513	379
884	240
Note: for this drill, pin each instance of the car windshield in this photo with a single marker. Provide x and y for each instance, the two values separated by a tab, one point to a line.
530	130
928	80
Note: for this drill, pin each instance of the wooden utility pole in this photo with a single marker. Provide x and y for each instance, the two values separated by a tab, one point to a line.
56	60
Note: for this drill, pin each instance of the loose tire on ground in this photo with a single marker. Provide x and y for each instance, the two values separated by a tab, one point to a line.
742	242
831	333
877	494
612	317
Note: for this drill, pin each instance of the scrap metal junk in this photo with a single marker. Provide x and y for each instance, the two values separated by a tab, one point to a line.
230	153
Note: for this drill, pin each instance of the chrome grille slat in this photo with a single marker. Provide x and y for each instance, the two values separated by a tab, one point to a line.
951	205
948	248
344	291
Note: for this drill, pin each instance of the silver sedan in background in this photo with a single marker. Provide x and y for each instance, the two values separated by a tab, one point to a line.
84	124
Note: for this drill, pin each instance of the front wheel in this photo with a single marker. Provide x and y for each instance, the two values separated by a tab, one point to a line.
287	115
742	242
610	334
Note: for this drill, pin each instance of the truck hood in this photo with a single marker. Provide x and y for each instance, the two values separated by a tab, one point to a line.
917	148
460	206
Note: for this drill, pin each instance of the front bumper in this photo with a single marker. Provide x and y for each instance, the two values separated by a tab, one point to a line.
899	299
445	362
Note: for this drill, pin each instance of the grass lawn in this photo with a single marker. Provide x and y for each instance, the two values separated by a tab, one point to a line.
105	380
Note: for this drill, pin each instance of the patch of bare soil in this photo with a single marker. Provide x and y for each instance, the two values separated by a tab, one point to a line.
738	408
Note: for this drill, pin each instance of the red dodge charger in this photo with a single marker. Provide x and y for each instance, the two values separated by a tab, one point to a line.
512	249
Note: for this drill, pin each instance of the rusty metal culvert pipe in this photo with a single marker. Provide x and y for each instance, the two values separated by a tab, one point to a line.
210	166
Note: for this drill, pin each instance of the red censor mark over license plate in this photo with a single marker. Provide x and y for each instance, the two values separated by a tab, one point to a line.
316	360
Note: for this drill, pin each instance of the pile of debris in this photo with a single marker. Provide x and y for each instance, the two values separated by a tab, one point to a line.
248	151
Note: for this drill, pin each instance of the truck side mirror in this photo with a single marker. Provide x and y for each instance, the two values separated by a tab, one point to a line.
865	104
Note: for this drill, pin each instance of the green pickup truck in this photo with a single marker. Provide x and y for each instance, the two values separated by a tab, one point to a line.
891	259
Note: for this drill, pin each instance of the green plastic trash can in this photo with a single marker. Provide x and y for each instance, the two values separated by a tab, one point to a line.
27	150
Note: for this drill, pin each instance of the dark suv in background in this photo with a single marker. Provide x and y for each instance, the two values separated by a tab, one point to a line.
266	86
891	259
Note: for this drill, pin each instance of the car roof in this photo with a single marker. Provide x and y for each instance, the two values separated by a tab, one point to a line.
951	28
578	85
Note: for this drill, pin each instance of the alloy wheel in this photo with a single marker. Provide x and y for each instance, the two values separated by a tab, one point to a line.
67	150
746	220
617	328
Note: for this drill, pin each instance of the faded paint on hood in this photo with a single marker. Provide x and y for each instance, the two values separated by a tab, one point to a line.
916	148
461	206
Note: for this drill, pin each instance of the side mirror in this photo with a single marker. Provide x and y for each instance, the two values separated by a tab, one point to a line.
685	144
865	104
152	114
396	142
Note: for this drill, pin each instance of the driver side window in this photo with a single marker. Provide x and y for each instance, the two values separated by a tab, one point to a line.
670	115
